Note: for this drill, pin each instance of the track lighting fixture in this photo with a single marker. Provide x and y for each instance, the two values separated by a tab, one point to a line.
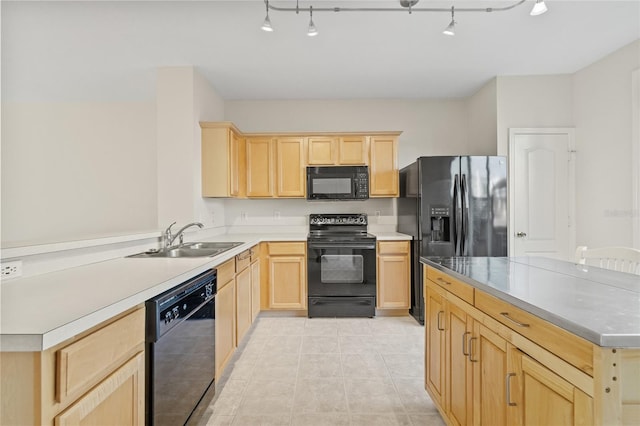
405	6
451	28
539	8
313	31
266	25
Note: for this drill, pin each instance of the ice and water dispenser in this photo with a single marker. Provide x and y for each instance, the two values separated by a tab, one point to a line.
440	221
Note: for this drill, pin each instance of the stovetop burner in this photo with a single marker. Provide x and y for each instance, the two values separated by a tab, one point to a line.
339	227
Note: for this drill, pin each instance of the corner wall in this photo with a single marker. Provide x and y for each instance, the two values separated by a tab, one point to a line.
602	99
77	170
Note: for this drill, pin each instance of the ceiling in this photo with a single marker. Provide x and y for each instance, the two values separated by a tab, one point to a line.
110	50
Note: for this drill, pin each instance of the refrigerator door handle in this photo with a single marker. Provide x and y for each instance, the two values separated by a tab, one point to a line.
456	229
464	222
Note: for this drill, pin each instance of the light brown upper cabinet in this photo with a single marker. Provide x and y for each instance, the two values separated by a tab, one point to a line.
260	167
337	150
222	160
383	166
352	150
272	165
290	167
323	150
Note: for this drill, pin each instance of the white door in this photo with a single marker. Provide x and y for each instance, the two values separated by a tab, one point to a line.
541	173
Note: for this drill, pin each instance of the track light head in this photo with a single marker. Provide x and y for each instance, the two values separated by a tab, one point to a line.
266	25
312	31
538	8
451	28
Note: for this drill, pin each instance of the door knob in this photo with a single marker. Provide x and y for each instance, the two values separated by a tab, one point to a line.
521	234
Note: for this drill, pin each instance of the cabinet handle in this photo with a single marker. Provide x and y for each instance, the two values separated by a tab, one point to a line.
443	281
471	349
519	324
508	395
438	324
464	343
241	257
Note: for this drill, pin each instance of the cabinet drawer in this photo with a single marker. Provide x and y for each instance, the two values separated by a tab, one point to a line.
393	247
255	253
287	248
462	290
567	346
226	272
83	363
243	260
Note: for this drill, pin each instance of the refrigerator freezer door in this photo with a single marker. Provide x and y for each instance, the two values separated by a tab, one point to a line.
484	206
437	207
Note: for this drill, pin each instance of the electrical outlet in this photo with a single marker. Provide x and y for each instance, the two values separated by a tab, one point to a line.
244	216
378	213
11	269
276	215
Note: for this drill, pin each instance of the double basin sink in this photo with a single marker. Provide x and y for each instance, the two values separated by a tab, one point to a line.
202	249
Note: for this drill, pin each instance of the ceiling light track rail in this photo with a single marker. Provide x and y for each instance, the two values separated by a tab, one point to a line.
410	9
407	6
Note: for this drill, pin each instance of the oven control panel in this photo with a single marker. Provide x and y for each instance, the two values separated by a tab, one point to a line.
338	219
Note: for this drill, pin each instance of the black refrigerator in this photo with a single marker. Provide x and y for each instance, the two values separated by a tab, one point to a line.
452	206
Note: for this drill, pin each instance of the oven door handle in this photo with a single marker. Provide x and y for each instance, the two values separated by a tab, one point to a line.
366	246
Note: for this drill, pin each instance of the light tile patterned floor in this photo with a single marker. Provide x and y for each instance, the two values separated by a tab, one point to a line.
334	371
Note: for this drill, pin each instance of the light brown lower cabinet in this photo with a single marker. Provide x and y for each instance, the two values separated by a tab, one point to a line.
225	324
480	372
394	275
94	378
287	275
244	312
255	288
117	400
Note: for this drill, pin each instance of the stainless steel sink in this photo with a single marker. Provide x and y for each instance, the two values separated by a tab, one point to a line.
202	249
213	245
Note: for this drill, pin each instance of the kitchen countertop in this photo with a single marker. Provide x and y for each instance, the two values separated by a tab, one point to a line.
596	304
39	312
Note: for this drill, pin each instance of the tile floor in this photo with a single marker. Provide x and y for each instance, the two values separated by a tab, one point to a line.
333	371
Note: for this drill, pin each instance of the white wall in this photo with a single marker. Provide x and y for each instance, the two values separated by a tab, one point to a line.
602	110
429	127
77	170
184	98
532	101
482	120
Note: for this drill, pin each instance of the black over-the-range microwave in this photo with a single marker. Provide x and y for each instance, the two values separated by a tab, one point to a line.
338	183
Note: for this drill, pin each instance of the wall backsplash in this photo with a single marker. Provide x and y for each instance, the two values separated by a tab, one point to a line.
242	215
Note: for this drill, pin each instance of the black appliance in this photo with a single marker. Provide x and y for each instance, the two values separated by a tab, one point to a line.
180	343
452	206
338	183
341	266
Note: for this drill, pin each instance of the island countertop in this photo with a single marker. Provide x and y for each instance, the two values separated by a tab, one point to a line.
596	304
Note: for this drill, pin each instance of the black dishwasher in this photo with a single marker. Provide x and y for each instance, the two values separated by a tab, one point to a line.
180	346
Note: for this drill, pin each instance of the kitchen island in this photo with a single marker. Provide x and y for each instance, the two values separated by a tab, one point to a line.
531	341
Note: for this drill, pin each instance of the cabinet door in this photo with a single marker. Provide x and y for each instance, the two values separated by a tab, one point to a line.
353	150
287	282
383	166
322	150
117	400
459	376
236	161
255	289
290	167
435	345
490	378
393	276
243	303
225	325
548	399
260	168
216	161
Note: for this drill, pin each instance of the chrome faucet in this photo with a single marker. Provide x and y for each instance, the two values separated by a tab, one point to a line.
168	238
